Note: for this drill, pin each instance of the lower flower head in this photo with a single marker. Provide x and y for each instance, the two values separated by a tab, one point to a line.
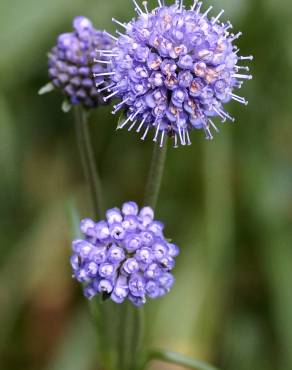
125	256
71	63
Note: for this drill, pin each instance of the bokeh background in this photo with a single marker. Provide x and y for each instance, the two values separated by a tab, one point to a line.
227	203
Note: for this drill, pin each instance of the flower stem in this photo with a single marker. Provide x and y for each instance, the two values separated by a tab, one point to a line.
155	175
130	332
88	160
137	339
179	359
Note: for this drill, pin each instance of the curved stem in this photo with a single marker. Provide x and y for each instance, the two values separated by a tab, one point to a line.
88	160
155	175
179	359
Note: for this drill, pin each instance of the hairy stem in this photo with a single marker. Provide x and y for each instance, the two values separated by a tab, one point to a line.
88	160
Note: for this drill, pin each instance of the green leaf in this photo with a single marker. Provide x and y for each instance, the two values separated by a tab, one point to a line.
66	106
179	359
46	89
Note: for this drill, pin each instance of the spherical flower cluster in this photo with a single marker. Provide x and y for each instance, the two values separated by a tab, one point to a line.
173	69
71	63
125	256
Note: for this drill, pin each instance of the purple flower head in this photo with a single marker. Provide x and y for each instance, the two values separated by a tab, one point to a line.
71	64
173	70
121	261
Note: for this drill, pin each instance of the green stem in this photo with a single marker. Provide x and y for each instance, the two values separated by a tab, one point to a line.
137	339
178	359
151	196
122	333
155	175
130	336
88	160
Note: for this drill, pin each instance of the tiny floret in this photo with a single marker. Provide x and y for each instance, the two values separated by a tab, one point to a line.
174	69
72	68
125	256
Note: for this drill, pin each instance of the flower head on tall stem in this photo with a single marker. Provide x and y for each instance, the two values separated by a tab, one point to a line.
125	256
72	67
174	69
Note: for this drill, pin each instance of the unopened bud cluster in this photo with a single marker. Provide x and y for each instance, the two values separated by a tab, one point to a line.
125	256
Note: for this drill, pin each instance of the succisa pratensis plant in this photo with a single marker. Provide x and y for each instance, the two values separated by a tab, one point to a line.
172	70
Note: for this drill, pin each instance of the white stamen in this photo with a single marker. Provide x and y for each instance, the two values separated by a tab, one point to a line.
159	3
199	4
121	103
194	5
218	16
105	88
110	55
244	68
104	74
209	136
102	51
157	132
141	124
180	136
111	95
188	138
162	139
245	102
108	34
132	125
181	5
239	99
102	61
119	23
184	135
119	106
207	11
227	115
115	110
124	123
106	55
229	25
137	112
137	7
145	6
214	126
145	133
236	36
238	84
245	77
99	83
175	141
123	35
219	114
249	57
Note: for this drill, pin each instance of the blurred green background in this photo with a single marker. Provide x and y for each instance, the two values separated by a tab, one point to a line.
227	203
